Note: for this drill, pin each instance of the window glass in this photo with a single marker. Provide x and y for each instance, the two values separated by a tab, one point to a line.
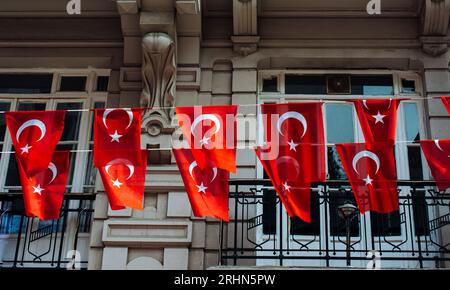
372	85
385	225
299	84
72	121
421	216
340	126
408	86
299	227
102	84
270	84
73	84
411	122
4	106
26	83
269	217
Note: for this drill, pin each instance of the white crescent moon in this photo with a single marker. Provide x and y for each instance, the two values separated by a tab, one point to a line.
438	145
203	117
127	110
121	161
367	107
365	104
194	164
54	171
289	159
293	115
367	154
29	123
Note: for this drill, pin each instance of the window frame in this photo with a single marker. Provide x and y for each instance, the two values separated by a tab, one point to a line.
88	98
401	160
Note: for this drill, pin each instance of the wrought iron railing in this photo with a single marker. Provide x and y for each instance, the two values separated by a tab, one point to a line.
261	233
30	243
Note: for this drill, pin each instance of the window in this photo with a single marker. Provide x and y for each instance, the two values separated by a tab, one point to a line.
299	227
73	84
342	126
102	84
77	134
269	217
25	83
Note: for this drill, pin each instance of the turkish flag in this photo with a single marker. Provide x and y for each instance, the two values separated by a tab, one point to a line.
124	180
289	128
446	101
207	188
43	192
378	119
211	134
290	179
35	135
117	132
372	175
437	153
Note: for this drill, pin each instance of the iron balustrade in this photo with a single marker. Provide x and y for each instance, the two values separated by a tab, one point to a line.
30	243
260	231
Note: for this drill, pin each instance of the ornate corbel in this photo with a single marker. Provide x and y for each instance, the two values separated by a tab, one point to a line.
158	72
434	25
245	26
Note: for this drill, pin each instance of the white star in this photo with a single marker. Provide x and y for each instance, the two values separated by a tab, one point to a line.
25	149
204	141
379	118
287	187
38	189
115	137
201	188
292	145
368	180
116	183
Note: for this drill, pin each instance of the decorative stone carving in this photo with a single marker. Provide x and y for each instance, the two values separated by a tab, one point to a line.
434	22
158	72
245	26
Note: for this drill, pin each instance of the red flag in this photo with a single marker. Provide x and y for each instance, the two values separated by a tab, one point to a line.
35	135
446	101
211	133
124	180
378	119
117	132
287	126
290	180
207	189
437	153
43	193
372	175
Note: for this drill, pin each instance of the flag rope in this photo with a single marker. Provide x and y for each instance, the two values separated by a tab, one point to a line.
248	105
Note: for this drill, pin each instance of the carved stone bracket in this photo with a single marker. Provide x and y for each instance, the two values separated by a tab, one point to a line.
245	26
434	22
158	72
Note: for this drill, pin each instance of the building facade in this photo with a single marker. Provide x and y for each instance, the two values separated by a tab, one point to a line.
166	53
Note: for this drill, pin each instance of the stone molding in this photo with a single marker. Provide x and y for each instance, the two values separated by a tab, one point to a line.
434	25
245	26
147	233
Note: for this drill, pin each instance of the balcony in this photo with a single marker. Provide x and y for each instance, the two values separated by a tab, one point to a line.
261	233
30	243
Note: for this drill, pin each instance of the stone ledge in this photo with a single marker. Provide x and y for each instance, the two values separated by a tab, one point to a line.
147	233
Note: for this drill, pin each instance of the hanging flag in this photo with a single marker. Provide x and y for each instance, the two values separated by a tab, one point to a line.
117	133
124	180
35	135
290	127
207	188
437	153
446	101
378	119
211	134
43	192
290	180
372	175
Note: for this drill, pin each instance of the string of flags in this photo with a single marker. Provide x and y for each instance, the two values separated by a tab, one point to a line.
293	156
